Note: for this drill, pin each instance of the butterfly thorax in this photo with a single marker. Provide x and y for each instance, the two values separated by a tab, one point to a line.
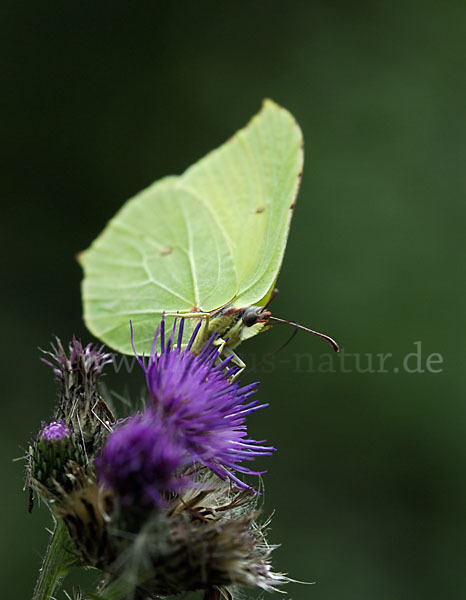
233	326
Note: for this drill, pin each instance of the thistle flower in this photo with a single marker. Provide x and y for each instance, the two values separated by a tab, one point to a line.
80	405
193	396
140	461
54	431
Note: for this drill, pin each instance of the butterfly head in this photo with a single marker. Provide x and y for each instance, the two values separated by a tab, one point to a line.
255	314
254	319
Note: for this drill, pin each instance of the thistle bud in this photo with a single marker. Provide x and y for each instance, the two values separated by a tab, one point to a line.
50	456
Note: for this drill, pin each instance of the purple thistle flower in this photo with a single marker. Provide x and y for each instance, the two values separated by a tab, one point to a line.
193	395
140	461
54	431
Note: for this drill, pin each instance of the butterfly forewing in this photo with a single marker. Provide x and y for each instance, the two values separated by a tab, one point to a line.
212	236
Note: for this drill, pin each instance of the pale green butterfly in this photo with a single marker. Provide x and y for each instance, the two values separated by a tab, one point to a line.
208	243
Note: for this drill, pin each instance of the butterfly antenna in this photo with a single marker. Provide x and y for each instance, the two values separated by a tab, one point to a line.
327	338
279	349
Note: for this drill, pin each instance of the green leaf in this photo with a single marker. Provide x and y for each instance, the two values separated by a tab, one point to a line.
212	236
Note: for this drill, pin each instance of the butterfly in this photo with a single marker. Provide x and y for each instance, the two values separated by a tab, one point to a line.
206	244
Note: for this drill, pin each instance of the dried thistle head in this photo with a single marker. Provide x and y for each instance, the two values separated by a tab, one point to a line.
220	552
86	510
207	539
221	539
77	372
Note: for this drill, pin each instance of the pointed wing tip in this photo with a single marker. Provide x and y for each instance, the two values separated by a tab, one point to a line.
80	257
270	105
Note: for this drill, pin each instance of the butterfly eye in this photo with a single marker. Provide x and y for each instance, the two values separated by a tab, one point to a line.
250	315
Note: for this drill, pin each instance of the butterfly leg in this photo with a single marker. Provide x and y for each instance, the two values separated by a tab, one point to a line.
202	334
225	351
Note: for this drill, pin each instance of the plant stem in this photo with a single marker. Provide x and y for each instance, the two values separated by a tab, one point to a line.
57	562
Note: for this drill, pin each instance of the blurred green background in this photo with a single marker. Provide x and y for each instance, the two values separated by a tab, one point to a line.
100	99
